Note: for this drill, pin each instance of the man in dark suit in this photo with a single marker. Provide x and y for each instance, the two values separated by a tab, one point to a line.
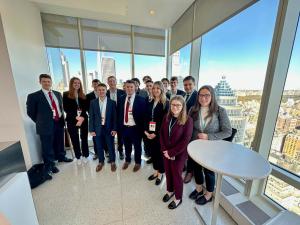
103	126
115	94
131	109
91	96
174	91
190	92
45	108
190	99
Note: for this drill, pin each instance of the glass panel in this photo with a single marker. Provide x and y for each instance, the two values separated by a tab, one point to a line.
149	41
284	194
285	149
234	58
60	31
100	65
64	64
153	66
106	36
181	64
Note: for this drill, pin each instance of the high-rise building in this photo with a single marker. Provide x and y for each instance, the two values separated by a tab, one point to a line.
176	64
65	69
108	68
59	69
291	146
227	99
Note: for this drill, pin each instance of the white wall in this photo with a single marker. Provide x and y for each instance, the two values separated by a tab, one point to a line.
25	43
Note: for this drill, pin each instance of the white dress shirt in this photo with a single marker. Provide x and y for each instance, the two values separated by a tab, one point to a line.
55	100
102	105
131	121
113	95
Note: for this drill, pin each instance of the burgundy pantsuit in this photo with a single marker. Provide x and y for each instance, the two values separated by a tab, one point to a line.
176	145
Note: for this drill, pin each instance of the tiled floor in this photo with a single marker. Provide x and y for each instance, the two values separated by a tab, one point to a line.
78	195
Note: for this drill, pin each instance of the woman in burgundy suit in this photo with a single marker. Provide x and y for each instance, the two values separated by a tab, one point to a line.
175	134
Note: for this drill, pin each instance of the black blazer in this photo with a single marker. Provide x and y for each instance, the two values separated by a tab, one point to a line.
89	97
138	111
119	94
159	112
191	102
70	107
179	92
39	110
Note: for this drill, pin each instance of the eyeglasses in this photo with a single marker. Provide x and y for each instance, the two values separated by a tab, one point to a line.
176	105
204	96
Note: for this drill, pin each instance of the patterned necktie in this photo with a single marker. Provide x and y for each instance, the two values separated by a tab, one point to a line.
54	107
127	109
187	97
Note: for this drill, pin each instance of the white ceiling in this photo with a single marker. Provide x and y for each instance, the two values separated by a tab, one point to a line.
135	12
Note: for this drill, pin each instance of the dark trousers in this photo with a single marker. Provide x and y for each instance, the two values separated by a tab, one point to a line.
199	178
53	146
156	155
132	136
189	165
94	143
120	141
147	147
174	170
74	135
102	140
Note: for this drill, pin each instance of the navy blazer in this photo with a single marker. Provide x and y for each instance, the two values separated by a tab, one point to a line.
95	117
191	102
179	92
120	93
39	110
138	111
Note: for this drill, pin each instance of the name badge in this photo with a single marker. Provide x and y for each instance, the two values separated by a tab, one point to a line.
78	112
54	113
152	126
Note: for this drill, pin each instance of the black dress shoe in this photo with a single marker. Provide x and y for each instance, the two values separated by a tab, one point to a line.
121	155
95	157
167	197
195	194
202	200
158	180
149	161
65	159
173	205
152	177
54	169
47	176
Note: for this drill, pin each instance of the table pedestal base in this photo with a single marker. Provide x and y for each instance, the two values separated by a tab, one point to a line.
215	210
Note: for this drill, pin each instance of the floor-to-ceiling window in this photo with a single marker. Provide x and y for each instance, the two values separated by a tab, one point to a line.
285	149
234	59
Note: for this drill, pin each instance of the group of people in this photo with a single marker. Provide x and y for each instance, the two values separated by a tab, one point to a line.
165	119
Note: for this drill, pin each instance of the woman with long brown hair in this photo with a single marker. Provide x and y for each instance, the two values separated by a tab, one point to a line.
210	123
175	134
76	107
157	108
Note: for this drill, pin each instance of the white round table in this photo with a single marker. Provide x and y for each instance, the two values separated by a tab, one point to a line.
226	158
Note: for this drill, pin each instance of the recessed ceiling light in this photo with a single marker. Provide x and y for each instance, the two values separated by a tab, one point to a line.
152	12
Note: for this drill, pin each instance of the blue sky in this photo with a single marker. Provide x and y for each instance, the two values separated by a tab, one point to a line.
239	49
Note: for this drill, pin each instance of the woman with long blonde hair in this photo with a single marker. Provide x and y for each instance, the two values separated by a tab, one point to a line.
157	108
76	107
175	134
